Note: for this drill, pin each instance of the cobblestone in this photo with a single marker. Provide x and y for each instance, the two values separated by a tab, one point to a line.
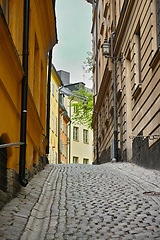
71	202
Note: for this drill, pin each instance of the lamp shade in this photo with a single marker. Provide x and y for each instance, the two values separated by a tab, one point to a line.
105	48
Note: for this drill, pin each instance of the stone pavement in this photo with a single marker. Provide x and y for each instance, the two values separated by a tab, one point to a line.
78	202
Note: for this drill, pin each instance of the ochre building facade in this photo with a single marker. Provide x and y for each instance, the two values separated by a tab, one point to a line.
40	25
135	29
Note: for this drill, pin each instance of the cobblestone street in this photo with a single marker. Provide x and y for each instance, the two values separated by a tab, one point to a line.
109	201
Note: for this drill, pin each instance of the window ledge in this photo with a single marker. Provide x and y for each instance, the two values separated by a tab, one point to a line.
155	58
137	91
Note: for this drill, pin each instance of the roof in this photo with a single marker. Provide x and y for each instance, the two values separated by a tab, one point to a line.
66	91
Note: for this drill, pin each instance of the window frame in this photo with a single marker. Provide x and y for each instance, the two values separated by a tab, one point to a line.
56	127
75	158
85	136
53	89
85	159
75	133
52	121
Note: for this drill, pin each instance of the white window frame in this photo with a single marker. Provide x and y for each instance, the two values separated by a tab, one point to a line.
75	133
85	136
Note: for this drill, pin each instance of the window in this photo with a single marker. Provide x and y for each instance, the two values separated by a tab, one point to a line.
53	121
56	95
52	89
85	160
75	133
137	57
75	159
158	21
56	127
85	136
139	54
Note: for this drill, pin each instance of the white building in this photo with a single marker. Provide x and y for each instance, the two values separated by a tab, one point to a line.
81	144
80	138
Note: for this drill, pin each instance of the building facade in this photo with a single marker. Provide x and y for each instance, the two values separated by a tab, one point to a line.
133	30
24	44
81	144
80	138
54	116
64	121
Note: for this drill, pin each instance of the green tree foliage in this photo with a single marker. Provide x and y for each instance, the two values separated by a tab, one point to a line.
82	115
88	64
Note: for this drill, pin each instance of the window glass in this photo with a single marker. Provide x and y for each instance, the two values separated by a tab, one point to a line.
85	136
75	133
52	89
85	160
75	159
56	126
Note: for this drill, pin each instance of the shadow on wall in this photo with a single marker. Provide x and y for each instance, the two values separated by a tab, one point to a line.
143	155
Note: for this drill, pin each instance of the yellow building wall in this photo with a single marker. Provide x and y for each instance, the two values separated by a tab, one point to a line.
54	108
11	74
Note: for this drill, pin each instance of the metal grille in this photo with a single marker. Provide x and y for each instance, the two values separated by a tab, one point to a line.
3	168
158	22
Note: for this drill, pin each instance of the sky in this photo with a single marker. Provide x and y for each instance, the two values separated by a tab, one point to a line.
73	19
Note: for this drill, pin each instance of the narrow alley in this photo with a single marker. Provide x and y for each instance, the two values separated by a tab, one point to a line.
71	202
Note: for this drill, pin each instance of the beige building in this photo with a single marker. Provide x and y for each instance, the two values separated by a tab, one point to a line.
127	103
81	144
80	138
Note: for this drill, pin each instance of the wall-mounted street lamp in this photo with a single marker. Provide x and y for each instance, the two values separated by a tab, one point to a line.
106	53
105	48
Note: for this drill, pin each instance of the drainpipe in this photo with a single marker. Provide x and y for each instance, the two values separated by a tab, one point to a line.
96	94
48	100
70	130
23	130
95	6
59	131
115	156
